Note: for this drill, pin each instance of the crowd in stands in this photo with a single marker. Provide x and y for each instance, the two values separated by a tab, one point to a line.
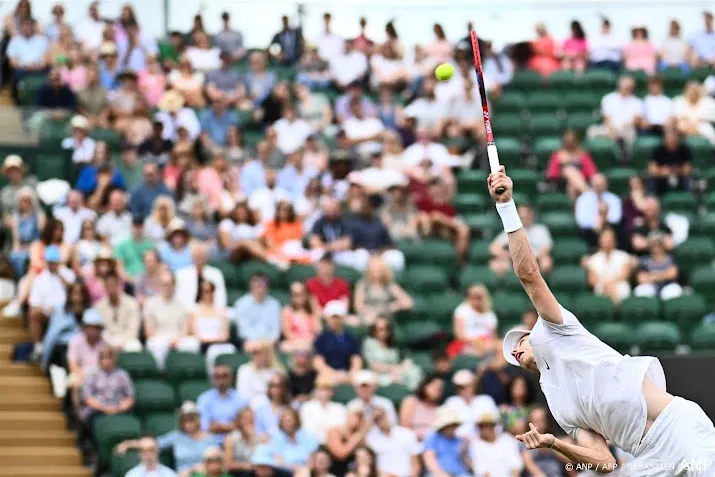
274	213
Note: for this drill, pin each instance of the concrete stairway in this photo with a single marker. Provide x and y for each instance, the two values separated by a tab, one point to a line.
34	440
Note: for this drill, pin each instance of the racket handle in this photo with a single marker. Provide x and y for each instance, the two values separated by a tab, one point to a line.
494	162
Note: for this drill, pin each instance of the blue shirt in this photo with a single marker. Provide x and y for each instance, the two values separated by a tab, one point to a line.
369	233
187	451
337	349
143	198
587	208
107	78
704	45
217	408
140	471
253	177
174	259
87	180
62	327
258	320
294	181
292	453
27	50
448	451
217	126
266	417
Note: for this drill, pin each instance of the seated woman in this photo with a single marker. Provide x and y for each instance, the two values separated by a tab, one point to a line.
400	215
640	53
378	295
238	234
544	59
318	466
163	212
86	249
658	273
64	323
147	285
515	413
290	446
25	224
189	83
269	407
571	166
419	411
200	222
175	251
94	274
152	82
342	441
210	325
695	112
283	237
575	49
188	443
382	356
253	378
475	324
240	444
299	322
202	56
609	269
213	464
220	182
468	401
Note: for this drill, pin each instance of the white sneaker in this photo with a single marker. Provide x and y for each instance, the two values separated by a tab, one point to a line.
58	377
36	355
12	310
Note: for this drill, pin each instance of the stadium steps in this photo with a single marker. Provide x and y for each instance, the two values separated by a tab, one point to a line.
34	440
12	131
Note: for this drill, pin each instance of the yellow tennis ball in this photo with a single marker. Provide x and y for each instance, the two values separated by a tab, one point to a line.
444	71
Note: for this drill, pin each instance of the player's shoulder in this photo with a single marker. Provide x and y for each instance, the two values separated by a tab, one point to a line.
546	330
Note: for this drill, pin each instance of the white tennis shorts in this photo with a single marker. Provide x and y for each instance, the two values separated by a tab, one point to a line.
680	443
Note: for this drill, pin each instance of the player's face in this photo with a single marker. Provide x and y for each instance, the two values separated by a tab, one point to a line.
524	355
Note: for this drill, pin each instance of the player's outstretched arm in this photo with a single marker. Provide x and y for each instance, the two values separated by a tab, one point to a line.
522	255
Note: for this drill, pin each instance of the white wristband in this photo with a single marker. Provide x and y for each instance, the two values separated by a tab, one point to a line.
509	216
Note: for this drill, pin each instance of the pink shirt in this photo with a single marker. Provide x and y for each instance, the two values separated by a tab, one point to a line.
210	182
440	50
84	354
575	47
75	78
152	86
640	55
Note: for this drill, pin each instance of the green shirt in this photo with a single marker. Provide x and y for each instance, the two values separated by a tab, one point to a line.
131	254
132	174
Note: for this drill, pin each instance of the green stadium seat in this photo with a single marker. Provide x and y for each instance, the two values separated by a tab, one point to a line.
505	326
545	124
560	224
593	309
110	136
191	390
110	430
521	197
394	392
425	278
272	273
510	102
231	273
181	366
479	252
431	252
710	199
581	102
702	151
673	81
703	282
298	273
685	311
510	307
351	275
466	361
508	125
569	250
53	132
679	202
543	148
618	336
282	295
486	224
510	152
602	81
470	203
153	396
510	282
439	307
139	365
51	165
527	179
657	336
703	338
344	393
471	275
544	102
234	360
619	179
700	74
233	294
581	121
694	252
415	333
160	423
251	138
639	309
553	202
29	86
642	149
525	81
562	80
568	279
119	465
423	359
704	225
472	181
360	332
604	151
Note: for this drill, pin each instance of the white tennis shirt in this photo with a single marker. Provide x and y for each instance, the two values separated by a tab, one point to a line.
589	385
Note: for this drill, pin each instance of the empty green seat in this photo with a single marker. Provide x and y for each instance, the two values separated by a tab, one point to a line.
110	430
541	101
110	136
568	279
394	392
702	151
485	224
525	81
703	338
604	151
479	252
120	464
581	121
273	274
53	132
415	333
234	360
231	273
182	366
704	225
470	203
510	307
581	102
153	396
686	311
191	390
545	124
553	202
508	125
703	282
434	252
423	359
510	282
657	336
298	273
348	274
593	309
694	252
560	224
569	250
679	202
673	81
51	165
544	147
344	393
597	80
701	73
619	179
562	80
425	278
618	336
526	180
510	102
466	361
471	275
439	307
472	181
710	200
160	423
139	365
510	151
638	309
642	149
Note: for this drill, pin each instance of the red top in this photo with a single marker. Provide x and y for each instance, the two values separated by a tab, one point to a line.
426	204
584	163
338	289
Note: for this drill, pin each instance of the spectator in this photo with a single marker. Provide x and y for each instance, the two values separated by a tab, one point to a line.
215	123
259	81
543	461
597	208
702	45
442	448
175	251
418	412
24	222
314	70
174	115
95	273
300	324
337	350
130	252
52	30
188	82
150	465
427	159
378	295
156	148
143	197
55	97
575	49
81	145
571	166
283	236
609	268
494	453
74	216
657	273
475	324
674	50
365	463
200	224
152	81
230	41
189	279
83	350
365	384
514	414
468	402
331	234
397	448
320	414
115	225
325	286
651	224
238	234
369	236
89	31
319	464
157	222
349	68
218	407
390	112
264	200
329	44
270	406
258	314
539	239
544	59
343	110
202	56
383	357
120	313
633	203
109	66
28	51
290	42
440	50
16	179
343	441
147	285
253	378
210	324
670	165
291	446
302	375
387	69
640	54
657	108
438	217
427	109
400	215
187	443
622	112
241	443
295	177
65	324
291	130
605	49
695	112
225	83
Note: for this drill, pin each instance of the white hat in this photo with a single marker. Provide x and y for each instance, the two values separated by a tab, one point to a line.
335	308
91	317
510	341
446	416
188	408
463	377
213	452
487	418
79	122
107	48
13	160
364	376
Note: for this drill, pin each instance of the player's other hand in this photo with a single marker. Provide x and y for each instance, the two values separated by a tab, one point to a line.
497	181
534	440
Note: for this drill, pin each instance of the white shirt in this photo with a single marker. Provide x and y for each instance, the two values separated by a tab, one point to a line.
316	419
702	111
574	364
330	45
240	231
377	179
251	382
621	110
450	90
586	209
436	152
608	266
500	458
384	69
469	411
356	129
377	401
185	118
72	221
476	324
674	50
187	285
604	47
348	68
657	110
115	227
427	113
90	32
48	291
291	135
394	451
204	60
265	200
82	154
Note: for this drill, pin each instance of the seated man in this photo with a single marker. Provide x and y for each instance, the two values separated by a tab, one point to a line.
331	234
370	237
651	224
325	287
439	217
121	316
258	315
337	351
539	238
218	407
622	112
597	209
365	384
83	351
150	465
670	166
28	51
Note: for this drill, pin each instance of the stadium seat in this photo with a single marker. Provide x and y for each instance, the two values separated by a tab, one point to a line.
527	179
471	274
415	334
233	294
472	181
638	309
273	274
351	275
465	361
703	282
686	311
510	306
511	102
569	250
510	152
703	338
553	202
160	423
433	252
423	359
601	81
503	327
181	366
545	124
282	295
510	282
581	121
700	74
470	203
544	147
110	136
231	273
394	392
704	225
234	360
657	336
618	336
568	279
298	273
120	464
509	125
139	365
53	132
525	81
560	224
562	80
110	430
439	307
673	81
543	102
360	332
679	202
694	252
619	179
484	225
153	395
191	390
593	309
581	102
604	151
702	151
641	79
424	278
344	393
479	252
29	86
642	150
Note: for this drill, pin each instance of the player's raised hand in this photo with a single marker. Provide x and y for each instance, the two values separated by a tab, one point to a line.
534	440
499	180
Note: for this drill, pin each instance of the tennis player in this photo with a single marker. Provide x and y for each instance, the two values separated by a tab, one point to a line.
594	392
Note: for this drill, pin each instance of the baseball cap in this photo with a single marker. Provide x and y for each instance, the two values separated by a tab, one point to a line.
363	377
463	377
13	160
91	317
53	254
510	341
335	308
